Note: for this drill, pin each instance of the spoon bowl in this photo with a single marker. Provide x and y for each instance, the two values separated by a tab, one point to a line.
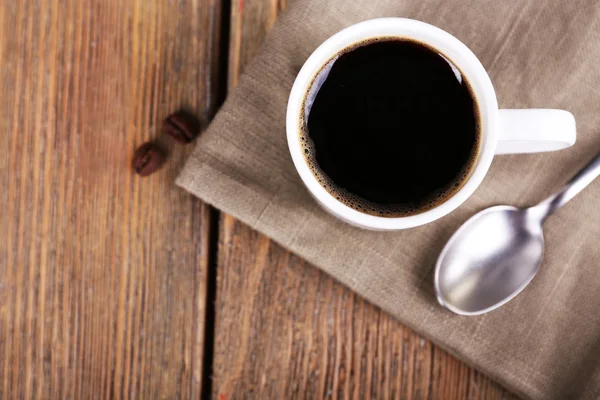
496	253
489	260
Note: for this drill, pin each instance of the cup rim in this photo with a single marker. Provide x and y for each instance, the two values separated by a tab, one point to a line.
450	47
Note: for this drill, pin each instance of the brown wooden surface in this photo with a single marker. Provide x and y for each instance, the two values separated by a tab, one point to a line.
284	329
102	273
105	277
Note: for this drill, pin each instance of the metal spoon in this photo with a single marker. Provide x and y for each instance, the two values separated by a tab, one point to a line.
495	254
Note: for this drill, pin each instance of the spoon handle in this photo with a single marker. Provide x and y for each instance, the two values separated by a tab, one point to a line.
583	178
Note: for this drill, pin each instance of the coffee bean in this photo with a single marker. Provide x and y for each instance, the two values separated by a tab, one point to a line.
182	126
147	159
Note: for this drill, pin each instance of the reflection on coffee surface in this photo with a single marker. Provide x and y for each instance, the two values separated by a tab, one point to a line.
390	127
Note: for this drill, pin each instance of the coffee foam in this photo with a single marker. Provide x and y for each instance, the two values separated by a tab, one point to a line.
353	201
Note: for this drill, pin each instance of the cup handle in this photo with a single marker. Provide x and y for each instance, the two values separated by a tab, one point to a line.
535	130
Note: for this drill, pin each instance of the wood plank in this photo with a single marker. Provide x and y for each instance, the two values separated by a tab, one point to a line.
284	329
102	273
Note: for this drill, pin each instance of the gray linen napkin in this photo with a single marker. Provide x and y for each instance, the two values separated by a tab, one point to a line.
544	344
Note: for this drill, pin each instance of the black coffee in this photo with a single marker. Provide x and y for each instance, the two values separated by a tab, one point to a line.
393	129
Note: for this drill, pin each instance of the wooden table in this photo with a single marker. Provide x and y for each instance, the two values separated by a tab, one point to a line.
115	286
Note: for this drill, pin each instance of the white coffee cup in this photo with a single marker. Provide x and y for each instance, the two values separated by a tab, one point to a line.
502	131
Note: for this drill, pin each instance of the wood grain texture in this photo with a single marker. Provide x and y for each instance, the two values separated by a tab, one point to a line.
284	329
102	273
